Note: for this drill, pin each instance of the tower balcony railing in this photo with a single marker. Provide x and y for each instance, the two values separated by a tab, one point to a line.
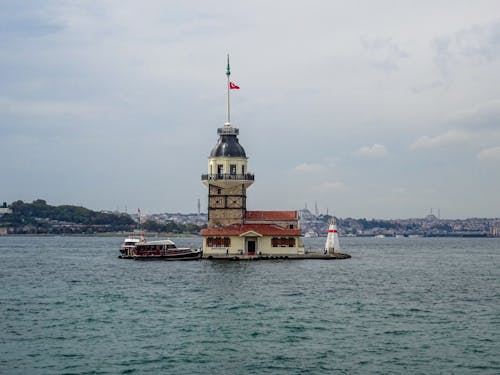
228	130
228	176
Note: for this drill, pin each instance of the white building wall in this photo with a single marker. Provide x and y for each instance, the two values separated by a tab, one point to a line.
264	247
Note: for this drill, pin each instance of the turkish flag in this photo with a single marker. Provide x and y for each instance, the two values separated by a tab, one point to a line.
232	86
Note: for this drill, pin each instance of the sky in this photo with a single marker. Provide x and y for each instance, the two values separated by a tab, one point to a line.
367	109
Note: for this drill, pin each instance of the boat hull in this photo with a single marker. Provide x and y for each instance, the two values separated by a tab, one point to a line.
192	255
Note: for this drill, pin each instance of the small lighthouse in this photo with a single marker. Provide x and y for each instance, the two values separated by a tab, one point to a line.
332	244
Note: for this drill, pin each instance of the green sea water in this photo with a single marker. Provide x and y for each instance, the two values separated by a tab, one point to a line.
68	305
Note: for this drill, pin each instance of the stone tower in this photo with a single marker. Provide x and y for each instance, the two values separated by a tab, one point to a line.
227	180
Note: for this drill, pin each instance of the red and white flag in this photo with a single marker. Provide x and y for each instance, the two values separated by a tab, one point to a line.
232	86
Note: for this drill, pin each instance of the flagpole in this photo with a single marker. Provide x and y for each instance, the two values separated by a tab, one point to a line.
228	73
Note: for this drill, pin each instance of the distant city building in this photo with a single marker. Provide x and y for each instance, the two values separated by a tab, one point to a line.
4	209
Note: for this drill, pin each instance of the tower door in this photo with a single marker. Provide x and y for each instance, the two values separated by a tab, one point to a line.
251	246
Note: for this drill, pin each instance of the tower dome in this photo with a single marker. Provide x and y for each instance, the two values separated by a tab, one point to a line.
228	144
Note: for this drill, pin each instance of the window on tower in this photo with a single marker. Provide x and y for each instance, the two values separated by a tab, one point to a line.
232	169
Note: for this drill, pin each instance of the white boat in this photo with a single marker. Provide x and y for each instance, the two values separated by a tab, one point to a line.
128	245
311	234
332	244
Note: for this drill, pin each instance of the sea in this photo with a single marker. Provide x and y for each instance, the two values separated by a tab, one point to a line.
68	305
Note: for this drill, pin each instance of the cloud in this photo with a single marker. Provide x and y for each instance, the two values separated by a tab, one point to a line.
492	153
374	151
429	191
94	78
329	186
448	138
473	45
482	116
19	19
48	108
384	52
425	87
309	168
399	190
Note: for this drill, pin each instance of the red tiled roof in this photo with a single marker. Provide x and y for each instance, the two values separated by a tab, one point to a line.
262	229
271	215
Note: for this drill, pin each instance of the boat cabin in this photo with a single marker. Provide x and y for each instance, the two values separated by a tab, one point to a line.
155	247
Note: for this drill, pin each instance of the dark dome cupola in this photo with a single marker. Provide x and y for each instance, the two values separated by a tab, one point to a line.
228	144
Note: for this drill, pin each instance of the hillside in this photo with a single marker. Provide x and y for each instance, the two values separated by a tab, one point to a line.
39	217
